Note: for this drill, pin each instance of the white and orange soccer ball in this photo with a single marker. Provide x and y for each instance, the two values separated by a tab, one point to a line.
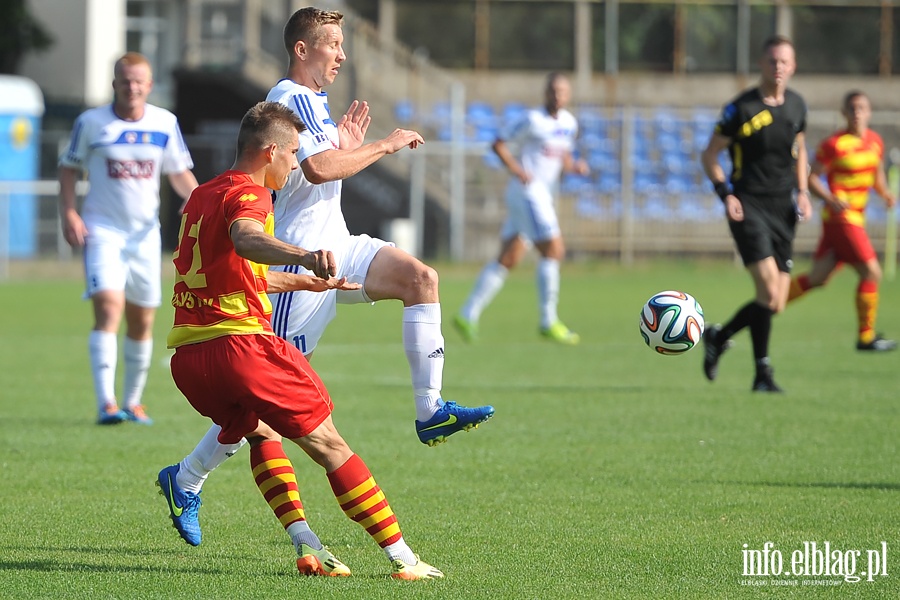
672	322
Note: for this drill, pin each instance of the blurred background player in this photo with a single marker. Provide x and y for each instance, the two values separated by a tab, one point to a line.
308	214
231	366
763	130
546	139
852	161
124	147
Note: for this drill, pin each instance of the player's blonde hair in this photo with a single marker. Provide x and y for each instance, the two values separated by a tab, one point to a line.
306	24
130	59
268	123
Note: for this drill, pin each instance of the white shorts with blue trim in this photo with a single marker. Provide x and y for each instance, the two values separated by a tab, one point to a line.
531	213
302	317
114	260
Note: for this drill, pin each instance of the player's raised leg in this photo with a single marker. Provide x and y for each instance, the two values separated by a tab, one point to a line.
394	274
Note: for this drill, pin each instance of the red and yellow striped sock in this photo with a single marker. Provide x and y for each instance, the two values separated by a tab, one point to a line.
363	501
866	309
799	286
274	475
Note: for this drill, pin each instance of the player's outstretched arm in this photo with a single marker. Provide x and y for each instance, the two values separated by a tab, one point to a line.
336	164
253	243
279	281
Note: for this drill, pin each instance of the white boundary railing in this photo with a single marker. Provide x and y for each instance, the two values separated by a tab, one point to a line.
38	190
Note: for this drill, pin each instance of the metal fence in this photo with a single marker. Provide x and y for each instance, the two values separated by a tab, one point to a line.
646	195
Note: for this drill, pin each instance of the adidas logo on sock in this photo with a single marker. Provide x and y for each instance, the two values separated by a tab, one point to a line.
439	353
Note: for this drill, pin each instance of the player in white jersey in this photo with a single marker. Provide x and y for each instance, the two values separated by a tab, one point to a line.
124	146
546	139
308	214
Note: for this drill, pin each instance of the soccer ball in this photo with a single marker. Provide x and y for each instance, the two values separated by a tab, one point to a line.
672	322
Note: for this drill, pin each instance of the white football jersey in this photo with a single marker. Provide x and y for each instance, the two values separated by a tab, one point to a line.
124	161
543	141
306	214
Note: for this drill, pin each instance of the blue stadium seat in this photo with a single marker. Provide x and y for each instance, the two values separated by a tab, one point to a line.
481	114
609	182
677	186
591	140
594	207
404	112
664	120
673	163
655	207
573	183
692	208
599	161
485	134
439	116
591	119
647	182
512	111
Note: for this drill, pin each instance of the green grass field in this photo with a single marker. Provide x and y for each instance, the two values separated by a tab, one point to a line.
608	471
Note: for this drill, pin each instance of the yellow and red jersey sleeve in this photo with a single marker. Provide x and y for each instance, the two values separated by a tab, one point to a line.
851	163
216	291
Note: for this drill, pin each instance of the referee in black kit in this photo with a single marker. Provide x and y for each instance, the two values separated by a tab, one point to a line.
764	198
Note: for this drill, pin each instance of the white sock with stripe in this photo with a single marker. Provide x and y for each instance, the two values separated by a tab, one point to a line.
424	346
103	348
548	290
137	355
203	459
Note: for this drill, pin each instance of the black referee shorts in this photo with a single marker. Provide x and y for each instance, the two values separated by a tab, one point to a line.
767	229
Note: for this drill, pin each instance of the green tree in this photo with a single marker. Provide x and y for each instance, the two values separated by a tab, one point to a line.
20	34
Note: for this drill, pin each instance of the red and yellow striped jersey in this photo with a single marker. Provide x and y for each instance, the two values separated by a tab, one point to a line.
851	163
217	292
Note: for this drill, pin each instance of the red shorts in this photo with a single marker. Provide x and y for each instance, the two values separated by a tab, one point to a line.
238	380
849	243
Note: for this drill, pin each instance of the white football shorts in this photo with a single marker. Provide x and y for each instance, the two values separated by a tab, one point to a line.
531	213
301	317
114	260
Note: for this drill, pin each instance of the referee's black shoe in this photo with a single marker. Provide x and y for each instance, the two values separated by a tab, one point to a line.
713	350
764	381
878	344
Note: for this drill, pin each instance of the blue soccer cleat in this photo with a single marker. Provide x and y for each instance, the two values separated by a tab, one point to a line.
111	414
137	414
183	506
449	419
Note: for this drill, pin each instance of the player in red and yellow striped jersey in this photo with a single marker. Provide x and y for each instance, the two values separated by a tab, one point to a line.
852	161
231	366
